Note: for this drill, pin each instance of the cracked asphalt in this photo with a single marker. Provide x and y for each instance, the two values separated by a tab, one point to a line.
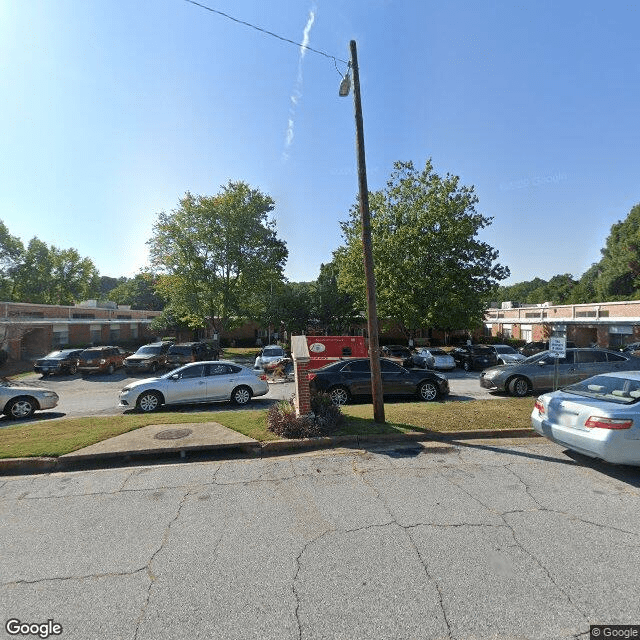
491	539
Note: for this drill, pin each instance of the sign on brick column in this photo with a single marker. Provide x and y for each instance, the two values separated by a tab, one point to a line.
300	354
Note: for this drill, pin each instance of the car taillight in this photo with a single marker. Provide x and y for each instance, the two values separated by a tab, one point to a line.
597	422
311	376
539	406
263	377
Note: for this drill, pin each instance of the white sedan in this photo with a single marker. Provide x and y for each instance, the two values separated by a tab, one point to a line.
18	401
598	417
193	383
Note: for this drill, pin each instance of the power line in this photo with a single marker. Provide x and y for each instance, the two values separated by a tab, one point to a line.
269	33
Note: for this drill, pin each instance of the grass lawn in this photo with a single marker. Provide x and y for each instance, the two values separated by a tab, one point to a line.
43	437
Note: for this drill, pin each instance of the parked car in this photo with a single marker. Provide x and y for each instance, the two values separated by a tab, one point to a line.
101	359
531	348
630	348
538	372
506	354
208	381
63	361
432	358
149	357
18	401
397	353
598	417
349	379
475	356
269	357
185	352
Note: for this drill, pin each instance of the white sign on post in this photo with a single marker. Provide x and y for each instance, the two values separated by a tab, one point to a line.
558	347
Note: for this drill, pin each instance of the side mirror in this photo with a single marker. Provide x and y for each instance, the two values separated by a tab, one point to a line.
174	377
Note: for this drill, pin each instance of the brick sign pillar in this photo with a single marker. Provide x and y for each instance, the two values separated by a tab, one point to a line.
300	354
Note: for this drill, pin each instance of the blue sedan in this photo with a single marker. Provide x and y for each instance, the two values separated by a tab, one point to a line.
598	417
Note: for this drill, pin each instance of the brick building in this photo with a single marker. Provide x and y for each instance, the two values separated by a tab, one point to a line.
28	331
605	324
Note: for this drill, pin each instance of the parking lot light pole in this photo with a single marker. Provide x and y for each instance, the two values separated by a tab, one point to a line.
372	314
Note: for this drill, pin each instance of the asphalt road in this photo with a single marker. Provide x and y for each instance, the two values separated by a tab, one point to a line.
97	395
475	540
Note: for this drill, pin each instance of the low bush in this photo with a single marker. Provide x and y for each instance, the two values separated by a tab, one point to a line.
325	418
327	415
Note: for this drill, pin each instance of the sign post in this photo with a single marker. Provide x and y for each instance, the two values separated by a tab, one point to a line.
558	349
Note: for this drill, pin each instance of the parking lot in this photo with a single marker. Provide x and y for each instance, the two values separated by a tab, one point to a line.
97	394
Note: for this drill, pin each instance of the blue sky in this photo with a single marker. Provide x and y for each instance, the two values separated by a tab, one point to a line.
113	109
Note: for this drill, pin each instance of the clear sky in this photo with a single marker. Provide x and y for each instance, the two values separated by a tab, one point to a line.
112	109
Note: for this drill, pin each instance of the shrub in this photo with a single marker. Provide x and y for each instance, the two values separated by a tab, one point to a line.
282	420
327	415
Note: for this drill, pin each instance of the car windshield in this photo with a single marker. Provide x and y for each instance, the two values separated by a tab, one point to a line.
273	351
91	353
148	350
505	349
481	351
182	351
607	388
57	355
437	352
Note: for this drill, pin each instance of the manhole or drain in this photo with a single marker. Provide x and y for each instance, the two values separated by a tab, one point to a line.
173	434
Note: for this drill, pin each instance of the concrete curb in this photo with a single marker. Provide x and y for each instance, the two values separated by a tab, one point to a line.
24	466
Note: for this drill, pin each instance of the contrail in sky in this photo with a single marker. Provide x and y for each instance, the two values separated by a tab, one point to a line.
297	90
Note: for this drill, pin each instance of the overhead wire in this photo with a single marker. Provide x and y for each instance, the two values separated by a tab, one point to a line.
270	33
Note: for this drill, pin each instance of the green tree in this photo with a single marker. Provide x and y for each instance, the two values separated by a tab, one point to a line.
11	252
430	267
139	292
619	268
334	311
217	255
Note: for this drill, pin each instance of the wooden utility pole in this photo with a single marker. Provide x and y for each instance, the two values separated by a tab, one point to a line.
372	314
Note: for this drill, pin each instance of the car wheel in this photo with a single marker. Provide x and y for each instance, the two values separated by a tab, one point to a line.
339	395
73	369
428	391
21	407
519	387
241	395
149	401
466	365
111	368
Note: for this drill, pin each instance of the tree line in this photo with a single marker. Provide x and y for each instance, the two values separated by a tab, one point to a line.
216	261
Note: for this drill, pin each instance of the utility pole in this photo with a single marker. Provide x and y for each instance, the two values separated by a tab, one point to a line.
372	314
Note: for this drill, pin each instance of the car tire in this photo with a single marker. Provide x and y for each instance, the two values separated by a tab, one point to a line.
428	392
241	395
466	365
73	369
339	395
519	387
149	401
21	407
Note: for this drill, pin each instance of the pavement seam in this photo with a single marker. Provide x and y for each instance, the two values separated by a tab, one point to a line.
88	576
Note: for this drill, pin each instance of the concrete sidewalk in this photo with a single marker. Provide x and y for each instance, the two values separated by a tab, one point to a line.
188	440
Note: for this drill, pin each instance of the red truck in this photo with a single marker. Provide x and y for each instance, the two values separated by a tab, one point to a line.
327	349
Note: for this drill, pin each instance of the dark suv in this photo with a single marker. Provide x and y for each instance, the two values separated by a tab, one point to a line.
149	357
474	356
531	348
185	352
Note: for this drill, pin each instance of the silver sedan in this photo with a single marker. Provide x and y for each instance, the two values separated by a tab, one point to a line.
429	358
19	401
598	417
197	382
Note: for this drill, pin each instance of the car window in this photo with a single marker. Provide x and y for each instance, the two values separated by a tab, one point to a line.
547	358
438	352
607	388
590	356
358	366
614	357
504	349
385	365
181	351
217	369
192	372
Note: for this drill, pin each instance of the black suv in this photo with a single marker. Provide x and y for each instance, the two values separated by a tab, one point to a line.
149	357
474	356
531	348
185	352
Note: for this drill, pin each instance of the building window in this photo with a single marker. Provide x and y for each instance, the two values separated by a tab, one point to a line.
60	336
96	333
507	330
86	316
114	332
134	331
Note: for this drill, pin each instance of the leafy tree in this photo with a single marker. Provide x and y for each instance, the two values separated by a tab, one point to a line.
430	268
216	255
619	269
107	285
11	251
333	310
139	292
557	290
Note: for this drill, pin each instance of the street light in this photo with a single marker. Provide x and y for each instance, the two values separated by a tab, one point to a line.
372	314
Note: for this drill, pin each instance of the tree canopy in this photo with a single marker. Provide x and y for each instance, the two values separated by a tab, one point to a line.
430	267
216	255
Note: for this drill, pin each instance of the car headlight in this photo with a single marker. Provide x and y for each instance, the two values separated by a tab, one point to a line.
50	394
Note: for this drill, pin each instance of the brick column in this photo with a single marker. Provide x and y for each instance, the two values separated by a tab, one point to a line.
300	354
